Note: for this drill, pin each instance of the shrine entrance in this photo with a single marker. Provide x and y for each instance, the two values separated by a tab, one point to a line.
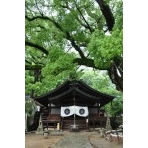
73	103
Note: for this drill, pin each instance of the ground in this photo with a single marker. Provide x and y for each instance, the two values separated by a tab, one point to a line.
68	139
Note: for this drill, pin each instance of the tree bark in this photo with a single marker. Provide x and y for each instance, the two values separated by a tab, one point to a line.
115	78
33	67
106	11
27	43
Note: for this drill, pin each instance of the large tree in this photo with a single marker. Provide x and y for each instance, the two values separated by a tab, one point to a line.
62	34
100	81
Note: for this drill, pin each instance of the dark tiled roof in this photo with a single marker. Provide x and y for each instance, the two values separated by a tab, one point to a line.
79	90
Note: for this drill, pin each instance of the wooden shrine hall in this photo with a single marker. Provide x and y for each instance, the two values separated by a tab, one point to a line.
73	103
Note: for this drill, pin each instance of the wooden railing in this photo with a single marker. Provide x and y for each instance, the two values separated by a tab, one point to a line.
66	123
94	121
51	121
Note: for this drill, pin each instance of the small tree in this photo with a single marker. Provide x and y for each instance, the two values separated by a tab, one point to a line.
115	110
30	109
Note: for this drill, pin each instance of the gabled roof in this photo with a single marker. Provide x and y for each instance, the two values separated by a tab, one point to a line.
83	94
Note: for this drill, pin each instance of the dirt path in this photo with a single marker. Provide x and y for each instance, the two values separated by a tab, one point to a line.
38	141
80	139
98	142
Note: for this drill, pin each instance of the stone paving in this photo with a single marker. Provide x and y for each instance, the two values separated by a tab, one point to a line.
74	140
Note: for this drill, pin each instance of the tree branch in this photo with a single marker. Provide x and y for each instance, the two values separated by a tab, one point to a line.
83	18
68	37
33	67
41	12
45	18
112	71
77	48
77	18
27	61
106	11
85	61
115	78
27	43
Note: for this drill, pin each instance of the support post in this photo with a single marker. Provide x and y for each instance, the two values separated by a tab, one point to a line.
26	122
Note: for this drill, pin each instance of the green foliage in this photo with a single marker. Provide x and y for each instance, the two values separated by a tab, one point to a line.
58	68
100	81
65	21
106	48
30	107
56	72
116	107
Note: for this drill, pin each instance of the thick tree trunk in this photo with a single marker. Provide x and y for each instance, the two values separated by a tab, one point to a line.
115	77
106	11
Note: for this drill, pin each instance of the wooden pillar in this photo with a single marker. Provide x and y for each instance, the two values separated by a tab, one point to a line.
49	109
98	109
61	127
87	123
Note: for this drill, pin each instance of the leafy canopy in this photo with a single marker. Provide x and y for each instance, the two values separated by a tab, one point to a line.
62	35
